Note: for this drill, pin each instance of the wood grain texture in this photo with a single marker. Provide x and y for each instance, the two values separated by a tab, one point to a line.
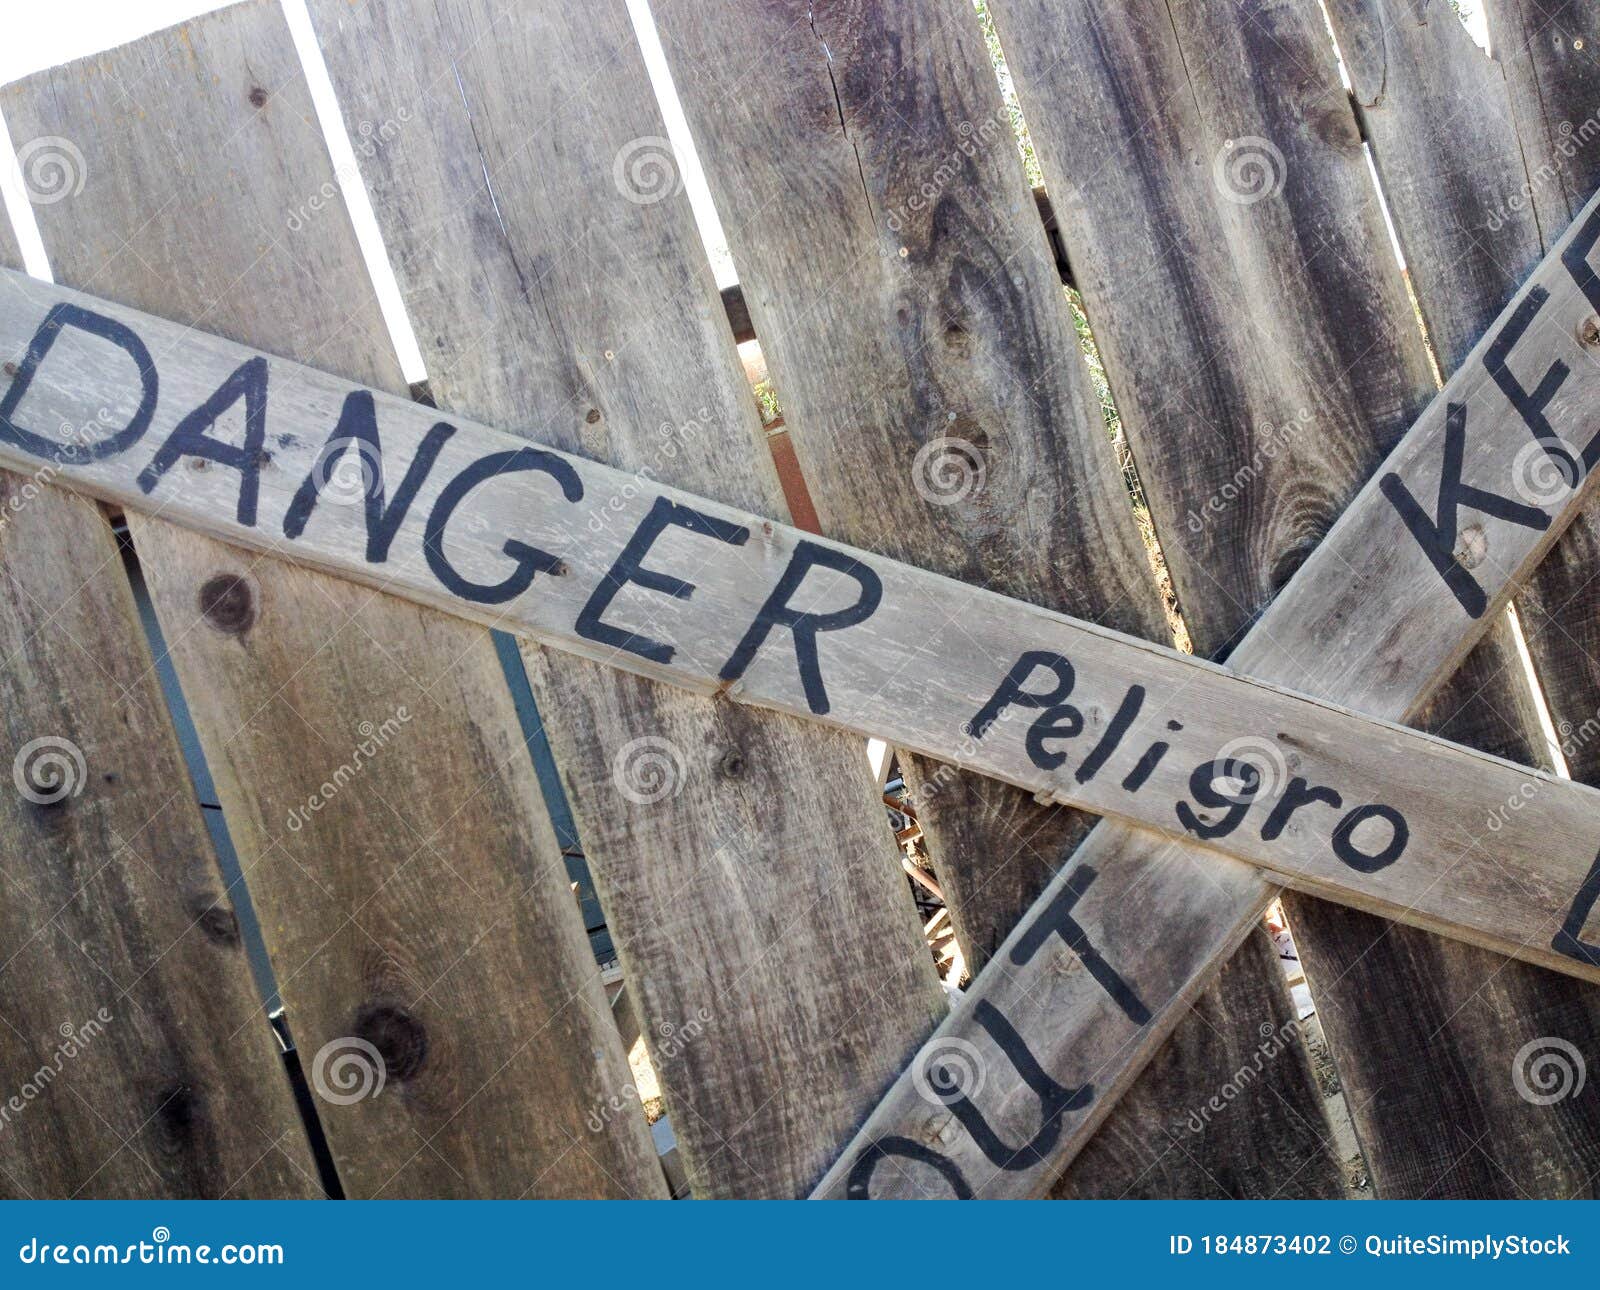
1444	136
1328	330
1375	612
911	314
557	283
1328	630
1397	821
1548	54
423	908
1192	1139
114	901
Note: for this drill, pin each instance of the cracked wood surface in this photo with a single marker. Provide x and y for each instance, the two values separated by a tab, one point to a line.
911	314
768	936
1445	139
422	906
114	900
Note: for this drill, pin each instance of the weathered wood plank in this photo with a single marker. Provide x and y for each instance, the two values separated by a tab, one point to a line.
1194	1136
911	313
366	752
1548	54
1300	392
558	283
1241	742
131	1035
1443	134
1335	629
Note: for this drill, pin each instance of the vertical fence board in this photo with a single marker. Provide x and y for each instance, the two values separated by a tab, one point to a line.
1263	351
1549	54
424	908
113	900
912	315
557	282
1446	142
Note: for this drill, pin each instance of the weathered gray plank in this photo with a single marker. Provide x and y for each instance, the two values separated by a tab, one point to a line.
1383	794
121	973
1548	54
1329	630
911	313
422	910
1445	140
764	927
1328	331
1203	1138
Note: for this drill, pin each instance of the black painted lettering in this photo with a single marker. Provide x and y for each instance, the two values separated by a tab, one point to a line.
1344	843
529	560
1009	693
1116	730
1569	940
1055	1100
1530	404
1299	793
806	626
357	430
1057	920
629	567
857	1186
248	382
1146	766
59	317
1233	805
1437	538
1060	722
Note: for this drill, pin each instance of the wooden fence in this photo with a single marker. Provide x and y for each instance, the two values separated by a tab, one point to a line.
1208	173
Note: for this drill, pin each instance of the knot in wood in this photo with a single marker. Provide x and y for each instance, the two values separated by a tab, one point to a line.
400	1038
228	604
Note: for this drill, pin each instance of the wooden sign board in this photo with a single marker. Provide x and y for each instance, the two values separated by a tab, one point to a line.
1384	609
288	460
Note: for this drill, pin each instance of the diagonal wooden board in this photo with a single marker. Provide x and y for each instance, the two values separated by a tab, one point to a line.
1358	620
578	555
